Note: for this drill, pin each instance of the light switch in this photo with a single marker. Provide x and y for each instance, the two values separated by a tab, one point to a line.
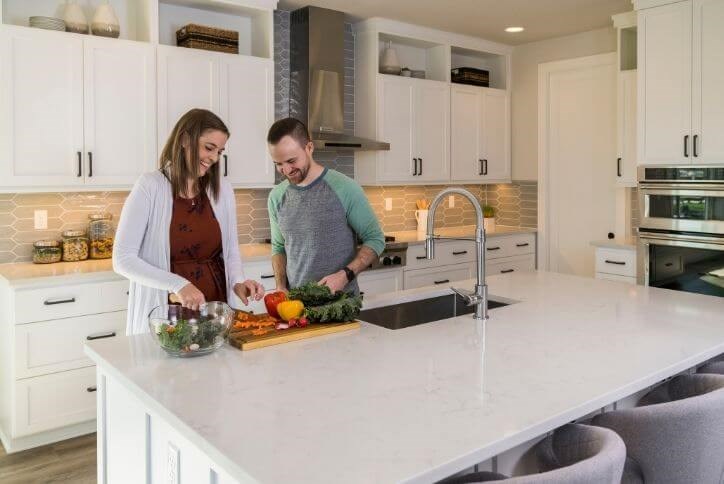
41	219
388	204
451	201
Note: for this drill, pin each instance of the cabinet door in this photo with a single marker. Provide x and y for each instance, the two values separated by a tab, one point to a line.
430	135
187	79
120	111
626	129
664	65
708	95
465	131
395	111
247	106
495	135
41	108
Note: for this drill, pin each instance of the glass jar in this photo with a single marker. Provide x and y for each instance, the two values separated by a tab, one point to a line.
46	252
75	245
100	234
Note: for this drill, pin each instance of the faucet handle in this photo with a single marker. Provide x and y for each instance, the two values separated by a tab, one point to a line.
465	294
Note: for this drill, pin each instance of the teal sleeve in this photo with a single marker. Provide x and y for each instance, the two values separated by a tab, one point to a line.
277	238
359	212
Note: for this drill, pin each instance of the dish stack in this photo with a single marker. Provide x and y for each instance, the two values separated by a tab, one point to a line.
208	38
47	23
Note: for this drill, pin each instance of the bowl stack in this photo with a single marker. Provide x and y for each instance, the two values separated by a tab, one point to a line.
47	23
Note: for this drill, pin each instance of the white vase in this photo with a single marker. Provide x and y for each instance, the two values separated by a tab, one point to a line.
421	217
389	63
105	23
74	18
489	224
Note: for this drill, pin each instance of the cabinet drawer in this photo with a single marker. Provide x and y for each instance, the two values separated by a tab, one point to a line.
261	272
442	275
53	401
524	263
510	245
52	346
612	261
446	253
49	303
380	281
614	277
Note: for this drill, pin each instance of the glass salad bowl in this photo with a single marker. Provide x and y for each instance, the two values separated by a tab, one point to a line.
183	332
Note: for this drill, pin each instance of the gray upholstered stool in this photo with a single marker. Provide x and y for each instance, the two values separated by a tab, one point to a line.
574	454
716	366
676	434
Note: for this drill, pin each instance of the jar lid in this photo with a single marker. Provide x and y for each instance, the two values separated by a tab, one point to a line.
74	233
101	216
46	243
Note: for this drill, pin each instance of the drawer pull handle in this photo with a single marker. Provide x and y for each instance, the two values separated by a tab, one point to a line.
267	276
420	257
615	262
460	252
59	301
505	271
109	334
493	248
91	389
526	244
443	281
669	264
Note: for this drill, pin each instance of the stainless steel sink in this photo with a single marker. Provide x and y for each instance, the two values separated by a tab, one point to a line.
423	311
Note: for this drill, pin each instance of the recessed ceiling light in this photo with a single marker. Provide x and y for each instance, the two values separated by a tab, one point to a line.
514	29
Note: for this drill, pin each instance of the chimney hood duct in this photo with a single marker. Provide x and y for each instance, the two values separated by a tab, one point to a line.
316	84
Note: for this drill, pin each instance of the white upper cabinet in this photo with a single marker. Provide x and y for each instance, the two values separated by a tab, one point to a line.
41	108
396	116
431	124
626	129
119	111
681	69
495	135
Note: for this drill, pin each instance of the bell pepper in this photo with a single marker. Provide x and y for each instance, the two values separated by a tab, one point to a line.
290	309
272	300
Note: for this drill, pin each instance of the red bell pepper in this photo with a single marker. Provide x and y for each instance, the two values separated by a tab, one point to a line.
271	300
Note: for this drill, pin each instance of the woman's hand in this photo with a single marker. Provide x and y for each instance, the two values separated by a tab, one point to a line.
190	297
249	290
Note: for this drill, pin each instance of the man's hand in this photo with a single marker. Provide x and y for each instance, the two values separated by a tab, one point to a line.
335	282
249	290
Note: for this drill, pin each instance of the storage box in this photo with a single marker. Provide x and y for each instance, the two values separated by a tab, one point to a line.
208	38
470	75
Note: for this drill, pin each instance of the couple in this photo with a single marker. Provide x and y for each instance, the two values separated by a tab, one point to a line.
177	232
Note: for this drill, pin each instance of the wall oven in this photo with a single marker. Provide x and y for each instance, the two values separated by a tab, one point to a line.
681	233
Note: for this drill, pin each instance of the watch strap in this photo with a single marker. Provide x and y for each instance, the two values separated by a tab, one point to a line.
350	273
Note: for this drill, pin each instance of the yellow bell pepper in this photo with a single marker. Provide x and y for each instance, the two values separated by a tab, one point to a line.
290	309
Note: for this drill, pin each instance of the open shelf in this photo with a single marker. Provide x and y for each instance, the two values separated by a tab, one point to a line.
133	15
417	55
627	46
254	25
495	64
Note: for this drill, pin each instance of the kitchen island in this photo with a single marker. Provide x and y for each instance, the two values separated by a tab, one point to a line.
412	405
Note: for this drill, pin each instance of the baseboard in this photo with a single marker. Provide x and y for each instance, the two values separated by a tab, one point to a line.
45	438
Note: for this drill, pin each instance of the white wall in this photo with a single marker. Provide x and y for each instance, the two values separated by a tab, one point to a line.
526	58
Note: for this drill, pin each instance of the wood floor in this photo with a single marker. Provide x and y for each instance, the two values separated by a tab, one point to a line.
72	460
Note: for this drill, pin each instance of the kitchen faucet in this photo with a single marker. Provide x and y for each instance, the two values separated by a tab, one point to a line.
478	297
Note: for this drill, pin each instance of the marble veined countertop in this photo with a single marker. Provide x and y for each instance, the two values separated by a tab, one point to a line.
421	403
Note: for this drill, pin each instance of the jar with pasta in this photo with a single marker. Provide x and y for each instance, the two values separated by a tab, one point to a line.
75	245
100	234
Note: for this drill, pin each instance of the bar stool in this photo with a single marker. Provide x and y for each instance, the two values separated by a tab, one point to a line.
574	454
676	434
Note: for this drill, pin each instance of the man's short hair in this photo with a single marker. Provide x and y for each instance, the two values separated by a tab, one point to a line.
288	127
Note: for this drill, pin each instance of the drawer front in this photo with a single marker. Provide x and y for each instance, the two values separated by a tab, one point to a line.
51	303
261	272
380	281
438	276
509	245
524	263
53	346
446	253
54	401
620	262
614	277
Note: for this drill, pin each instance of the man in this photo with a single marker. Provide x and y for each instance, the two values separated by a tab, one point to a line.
316	216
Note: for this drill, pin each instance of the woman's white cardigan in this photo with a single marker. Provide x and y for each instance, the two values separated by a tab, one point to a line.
142	249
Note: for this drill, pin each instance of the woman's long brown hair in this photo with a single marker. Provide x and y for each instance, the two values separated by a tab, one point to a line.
180	163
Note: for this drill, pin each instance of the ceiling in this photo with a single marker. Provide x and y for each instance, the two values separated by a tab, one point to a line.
542	19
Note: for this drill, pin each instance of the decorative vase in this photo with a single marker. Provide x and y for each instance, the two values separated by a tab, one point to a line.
489	224
74	18
105	23
389	63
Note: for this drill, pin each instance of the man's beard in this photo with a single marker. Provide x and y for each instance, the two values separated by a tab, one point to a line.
302	175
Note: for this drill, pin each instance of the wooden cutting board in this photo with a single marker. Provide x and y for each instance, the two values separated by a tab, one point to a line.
245	340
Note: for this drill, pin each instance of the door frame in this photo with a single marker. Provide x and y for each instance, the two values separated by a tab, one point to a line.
544	72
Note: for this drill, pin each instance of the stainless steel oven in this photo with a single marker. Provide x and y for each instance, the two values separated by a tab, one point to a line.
681	233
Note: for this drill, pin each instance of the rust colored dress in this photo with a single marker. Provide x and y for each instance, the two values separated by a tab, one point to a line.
196	251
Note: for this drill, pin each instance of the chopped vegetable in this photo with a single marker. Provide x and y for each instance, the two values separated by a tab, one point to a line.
185	336
282	326
290	309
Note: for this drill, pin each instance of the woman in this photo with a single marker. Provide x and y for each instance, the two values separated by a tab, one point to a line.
177	232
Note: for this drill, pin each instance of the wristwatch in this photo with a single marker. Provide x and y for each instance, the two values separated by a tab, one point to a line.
350	273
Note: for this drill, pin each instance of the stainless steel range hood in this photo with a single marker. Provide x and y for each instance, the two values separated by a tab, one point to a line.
316	79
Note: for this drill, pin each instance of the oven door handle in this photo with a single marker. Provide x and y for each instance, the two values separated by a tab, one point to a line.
687	191
715	243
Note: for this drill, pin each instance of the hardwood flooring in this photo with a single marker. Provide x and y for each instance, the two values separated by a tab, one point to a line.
72	461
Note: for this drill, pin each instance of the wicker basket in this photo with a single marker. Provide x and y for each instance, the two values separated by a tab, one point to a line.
208	38
205	45
470	75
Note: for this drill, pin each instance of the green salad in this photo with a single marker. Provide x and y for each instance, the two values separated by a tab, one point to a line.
187	336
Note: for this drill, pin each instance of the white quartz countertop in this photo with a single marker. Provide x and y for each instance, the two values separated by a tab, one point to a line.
418	404
619	243
413	237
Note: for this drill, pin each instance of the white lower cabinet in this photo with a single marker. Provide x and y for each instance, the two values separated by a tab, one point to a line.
438	275
380	281
620	264
521	263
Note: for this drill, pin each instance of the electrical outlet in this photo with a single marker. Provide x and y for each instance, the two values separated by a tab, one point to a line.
172	465
451	201
41	219
388	204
